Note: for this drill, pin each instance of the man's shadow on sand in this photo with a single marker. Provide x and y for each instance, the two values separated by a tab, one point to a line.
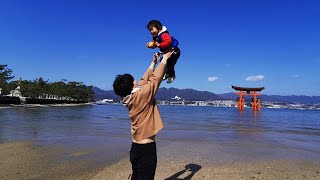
190	170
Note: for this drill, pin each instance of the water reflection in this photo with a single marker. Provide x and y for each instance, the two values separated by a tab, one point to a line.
57	123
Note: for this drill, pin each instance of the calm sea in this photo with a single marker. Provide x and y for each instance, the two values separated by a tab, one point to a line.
270	133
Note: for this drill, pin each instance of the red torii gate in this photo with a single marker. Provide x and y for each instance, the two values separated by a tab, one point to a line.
255	103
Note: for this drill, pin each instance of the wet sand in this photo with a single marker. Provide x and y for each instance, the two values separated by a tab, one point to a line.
24	160
27	160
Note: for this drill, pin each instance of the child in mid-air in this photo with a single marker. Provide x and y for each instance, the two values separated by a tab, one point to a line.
166	43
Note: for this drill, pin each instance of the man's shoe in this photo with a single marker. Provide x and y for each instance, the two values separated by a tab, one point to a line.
171	79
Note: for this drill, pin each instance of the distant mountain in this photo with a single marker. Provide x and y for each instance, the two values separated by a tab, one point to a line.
163	94
228	96
100	94
186	94
194	95
292	99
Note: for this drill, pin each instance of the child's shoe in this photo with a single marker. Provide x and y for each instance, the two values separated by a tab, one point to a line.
165	77
171	79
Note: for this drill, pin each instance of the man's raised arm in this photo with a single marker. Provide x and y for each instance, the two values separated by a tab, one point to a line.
157	75
149	71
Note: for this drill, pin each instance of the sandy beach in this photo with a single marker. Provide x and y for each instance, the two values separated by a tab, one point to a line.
26	160
173	169
199	162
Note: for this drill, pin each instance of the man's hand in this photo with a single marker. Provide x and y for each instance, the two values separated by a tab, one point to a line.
154	61
166	56
155	57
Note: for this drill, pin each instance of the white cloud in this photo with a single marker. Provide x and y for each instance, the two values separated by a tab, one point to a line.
212	78
255	78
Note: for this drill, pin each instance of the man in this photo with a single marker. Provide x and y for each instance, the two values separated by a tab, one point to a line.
146	122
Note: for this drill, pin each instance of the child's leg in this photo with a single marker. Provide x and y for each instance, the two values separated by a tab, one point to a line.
171	63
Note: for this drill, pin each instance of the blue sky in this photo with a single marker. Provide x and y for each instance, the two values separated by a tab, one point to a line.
253	43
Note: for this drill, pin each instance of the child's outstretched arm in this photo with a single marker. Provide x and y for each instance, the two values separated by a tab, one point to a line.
151	44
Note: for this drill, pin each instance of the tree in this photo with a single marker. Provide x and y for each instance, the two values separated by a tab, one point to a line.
5	76
26	88
58	89
41	87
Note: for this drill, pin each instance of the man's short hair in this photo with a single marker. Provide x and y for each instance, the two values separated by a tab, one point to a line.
123	84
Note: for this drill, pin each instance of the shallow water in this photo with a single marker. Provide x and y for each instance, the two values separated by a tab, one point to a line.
233	135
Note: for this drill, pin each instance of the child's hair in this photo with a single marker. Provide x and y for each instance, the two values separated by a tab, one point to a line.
123	84
154	23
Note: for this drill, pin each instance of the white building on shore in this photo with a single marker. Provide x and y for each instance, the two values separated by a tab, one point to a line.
16	92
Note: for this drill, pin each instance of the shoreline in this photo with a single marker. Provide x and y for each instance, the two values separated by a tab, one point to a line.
220	106
5	106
